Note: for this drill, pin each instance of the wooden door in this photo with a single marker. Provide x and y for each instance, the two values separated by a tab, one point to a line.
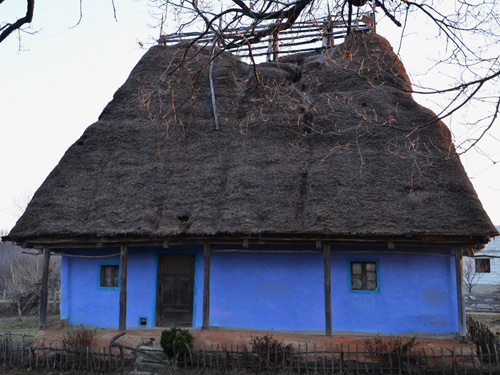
175	290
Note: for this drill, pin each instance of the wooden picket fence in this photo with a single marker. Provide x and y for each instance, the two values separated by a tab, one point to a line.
15	354
346	359
373	357
304	359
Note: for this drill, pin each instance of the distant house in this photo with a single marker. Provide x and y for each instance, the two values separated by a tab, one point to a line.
483	270
327	201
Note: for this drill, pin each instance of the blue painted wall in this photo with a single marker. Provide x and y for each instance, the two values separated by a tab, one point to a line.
83	301
417	293
275	291
269	291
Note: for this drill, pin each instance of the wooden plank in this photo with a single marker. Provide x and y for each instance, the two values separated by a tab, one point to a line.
462	324
328	289
206	287
123	288
44	289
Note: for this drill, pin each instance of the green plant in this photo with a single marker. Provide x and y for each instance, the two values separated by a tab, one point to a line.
176	341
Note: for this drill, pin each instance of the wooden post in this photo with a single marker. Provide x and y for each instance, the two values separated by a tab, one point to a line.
462	324
328	39
123	288
328	290
44	289
206	287
275	45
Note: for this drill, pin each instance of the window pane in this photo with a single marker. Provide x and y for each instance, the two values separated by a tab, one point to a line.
356	268
371	284
357	283
371	267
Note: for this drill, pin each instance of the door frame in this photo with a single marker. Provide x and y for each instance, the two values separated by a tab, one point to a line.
195	286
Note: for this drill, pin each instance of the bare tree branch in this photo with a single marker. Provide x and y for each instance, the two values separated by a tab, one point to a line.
10	27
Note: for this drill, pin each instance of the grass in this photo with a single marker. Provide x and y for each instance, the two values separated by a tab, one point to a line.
28	324
492	320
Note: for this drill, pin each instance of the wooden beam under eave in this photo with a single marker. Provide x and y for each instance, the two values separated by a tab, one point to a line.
44	289
206	287
462	320
328	289
123	288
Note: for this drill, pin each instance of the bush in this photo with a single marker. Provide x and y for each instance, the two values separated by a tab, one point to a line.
267	345
78	339
387	350
175	342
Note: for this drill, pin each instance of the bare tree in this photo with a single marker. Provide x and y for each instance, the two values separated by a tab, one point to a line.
469	33
470	276
21	274
23	283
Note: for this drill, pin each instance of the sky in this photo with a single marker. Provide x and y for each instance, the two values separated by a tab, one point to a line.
56	82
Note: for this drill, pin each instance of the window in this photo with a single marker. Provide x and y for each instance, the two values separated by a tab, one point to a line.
364	276
482	266
110	275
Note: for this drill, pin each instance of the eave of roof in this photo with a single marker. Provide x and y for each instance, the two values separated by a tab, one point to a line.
427	240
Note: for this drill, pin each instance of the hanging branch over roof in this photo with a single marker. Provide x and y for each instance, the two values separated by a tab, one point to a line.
8	28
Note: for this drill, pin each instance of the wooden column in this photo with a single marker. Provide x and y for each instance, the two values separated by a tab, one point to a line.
123	288
206	288
462	322
44	289
328	290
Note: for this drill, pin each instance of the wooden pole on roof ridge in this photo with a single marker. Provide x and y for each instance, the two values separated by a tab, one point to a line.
328	289
123	288
44	289
206	287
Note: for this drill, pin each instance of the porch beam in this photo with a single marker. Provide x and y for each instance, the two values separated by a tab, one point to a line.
44	289
206	287
123	288
462	320
328	289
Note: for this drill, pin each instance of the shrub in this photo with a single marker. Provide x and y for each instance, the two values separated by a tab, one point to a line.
78	339
176	341
387	350
268	347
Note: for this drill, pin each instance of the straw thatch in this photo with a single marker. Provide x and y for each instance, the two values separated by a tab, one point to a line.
326	146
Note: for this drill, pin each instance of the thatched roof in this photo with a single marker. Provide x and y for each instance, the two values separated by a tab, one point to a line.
325	147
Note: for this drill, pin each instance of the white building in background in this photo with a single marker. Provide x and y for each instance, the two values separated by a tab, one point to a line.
483	270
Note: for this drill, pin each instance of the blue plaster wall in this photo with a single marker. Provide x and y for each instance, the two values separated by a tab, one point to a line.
269	291
417	294
275	291
83	301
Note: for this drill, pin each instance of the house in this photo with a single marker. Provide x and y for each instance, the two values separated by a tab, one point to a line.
482	272
327	200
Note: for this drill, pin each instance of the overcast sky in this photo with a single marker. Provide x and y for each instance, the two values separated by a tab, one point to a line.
63	77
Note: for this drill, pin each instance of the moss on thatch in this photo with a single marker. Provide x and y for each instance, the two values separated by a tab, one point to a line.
328	144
